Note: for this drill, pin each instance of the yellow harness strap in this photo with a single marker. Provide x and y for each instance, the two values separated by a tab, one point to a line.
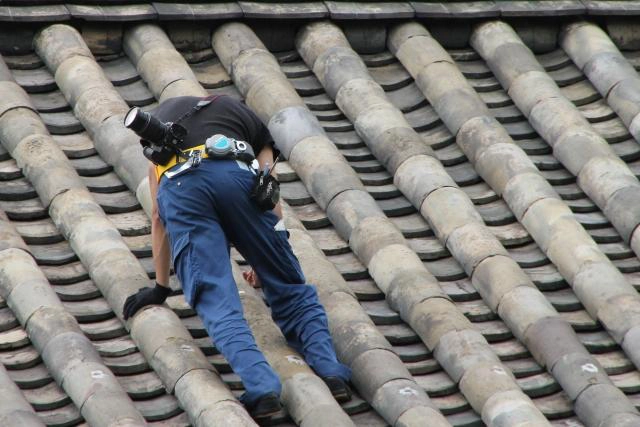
161	169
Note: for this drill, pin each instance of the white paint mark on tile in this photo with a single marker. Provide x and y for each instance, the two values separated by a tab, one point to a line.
408	391
295	359
96	375
498	370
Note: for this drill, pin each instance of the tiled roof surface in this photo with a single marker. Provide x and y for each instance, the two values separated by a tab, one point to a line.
464	195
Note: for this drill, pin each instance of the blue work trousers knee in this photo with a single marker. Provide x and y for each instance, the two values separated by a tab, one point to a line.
203	211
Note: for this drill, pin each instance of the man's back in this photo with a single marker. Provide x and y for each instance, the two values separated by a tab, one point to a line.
225	115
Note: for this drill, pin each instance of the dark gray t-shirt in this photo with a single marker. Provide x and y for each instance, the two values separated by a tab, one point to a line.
225	115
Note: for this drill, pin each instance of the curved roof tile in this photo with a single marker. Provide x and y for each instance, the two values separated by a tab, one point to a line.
97	242
312	156
500	162
463	241
586	155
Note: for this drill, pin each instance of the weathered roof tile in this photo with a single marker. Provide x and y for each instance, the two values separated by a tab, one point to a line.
552	8
50	13
119	13
288	10
197	11
616	7
15	408
57	335
615	405
367	10
476	9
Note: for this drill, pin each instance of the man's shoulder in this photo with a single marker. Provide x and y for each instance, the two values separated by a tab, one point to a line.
234	105
174	106
178	100
227	101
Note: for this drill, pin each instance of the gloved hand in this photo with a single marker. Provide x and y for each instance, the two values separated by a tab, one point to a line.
144	297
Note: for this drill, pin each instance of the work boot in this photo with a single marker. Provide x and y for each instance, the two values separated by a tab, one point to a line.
339	388
265	407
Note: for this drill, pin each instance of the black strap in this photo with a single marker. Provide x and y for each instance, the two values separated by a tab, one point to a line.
199	106
207	100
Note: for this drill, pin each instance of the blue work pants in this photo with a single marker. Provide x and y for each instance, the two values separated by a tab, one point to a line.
203	211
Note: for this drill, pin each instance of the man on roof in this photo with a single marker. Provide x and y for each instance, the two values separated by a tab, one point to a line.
209	190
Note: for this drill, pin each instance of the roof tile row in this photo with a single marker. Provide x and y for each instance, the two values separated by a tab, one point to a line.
318	163
96	241
617	81
327	52
501	163
600	173
18	11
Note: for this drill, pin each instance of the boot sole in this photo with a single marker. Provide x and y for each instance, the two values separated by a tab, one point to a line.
342	396
267	415
272	409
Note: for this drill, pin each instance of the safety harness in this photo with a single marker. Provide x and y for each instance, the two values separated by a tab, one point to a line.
216	147
161	169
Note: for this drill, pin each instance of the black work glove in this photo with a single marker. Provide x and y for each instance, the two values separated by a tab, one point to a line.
144	297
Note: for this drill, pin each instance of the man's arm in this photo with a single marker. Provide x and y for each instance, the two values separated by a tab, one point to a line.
159	243
266	156
160	247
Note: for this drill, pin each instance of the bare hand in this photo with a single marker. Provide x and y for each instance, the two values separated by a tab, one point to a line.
252	278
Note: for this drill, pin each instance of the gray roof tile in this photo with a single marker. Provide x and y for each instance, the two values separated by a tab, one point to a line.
475	9
307	10
57	337
551	8
367	10
118	13
197	11
50	13
616	7
446	122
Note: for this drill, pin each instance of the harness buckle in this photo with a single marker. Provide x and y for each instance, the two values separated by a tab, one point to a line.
195	158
